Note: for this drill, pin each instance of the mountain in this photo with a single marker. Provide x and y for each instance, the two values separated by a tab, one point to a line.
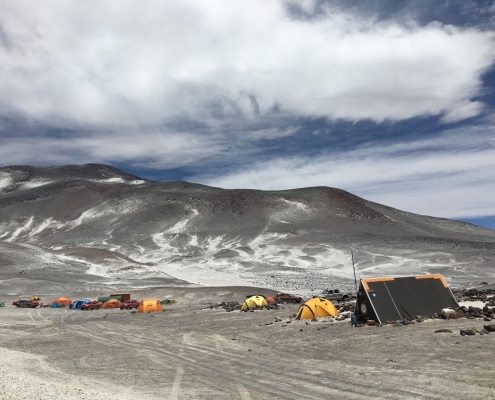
87	227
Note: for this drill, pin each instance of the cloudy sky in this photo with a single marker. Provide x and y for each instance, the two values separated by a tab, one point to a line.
391	100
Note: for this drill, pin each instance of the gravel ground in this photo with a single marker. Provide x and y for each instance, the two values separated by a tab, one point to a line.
27	376
193	352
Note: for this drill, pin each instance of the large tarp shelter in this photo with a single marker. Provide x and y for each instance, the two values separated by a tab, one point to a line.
78	303
254	302
315	308
150	305
390	299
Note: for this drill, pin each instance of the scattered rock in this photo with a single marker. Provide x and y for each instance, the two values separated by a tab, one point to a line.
443	331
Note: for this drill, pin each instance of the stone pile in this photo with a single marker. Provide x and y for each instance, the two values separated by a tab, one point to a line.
235	305
228	306
347	306
269	306
487	313
484	295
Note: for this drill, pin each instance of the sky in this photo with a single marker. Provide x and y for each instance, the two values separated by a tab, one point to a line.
393	101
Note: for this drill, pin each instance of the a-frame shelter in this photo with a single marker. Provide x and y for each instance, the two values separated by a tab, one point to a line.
391	299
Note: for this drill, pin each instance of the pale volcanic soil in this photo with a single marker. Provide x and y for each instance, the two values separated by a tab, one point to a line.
192	352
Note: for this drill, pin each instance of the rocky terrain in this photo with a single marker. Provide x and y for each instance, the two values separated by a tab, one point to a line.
191	351
88	227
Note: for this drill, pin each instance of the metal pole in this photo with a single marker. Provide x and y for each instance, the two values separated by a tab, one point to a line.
354	269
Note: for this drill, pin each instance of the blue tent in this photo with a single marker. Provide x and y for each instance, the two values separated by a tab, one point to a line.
78	303
55	305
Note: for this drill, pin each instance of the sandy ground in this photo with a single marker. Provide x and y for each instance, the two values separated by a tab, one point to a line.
192	352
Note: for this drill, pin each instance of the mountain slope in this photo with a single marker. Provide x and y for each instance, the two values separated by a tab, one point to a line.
129	231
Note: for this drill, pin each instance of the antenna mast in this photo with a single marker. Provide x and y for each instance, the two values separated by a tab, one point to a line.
354	269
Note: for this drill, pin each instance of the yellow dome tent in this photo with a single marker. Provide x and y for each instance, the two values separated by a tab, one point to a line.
150	305
316	307
253	302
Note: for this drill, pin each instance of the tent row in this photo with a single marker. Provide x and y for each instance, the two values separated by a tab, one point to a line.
146	305
313	308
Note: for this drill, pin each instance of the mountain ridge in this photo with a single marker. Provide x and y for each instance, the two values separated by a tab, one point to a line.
188	233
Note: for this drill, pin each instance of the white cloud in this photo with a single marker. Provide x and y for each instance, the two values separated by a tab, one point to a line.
449	176
119	65
150	150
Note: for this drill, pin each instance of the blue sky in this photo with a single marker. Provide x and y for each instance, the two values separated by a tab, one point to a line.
393	101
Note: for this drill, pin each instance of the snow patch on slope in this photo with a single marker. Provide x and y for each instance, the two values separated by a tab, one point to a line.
5	180
119	180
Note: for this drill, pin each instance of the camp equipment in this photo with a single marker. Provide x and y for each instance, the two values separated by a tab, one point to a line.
254	302
390	299
150	305
103	299
123	297
316	307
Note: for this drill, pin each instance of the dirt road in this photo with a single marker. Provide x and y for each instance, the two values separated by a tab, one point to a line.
191	353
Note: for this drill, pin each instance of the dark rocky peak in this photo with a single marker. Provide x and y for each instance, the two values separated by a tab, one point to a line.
66	172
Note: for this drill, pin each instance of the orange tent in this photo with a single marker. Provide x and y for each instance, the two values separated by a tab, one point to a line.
270	299
112	303
150	305
62	301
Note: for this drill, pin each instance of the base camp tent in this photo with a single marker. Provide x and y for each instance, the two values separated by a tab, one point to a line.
316	307
112	303
76	305
62	301
391	299
150	305
253	302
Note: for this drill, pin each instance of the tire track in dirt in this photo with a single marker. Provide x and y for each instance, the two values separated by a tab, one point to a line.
206	366
204	358
243	392
199	357
175	391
